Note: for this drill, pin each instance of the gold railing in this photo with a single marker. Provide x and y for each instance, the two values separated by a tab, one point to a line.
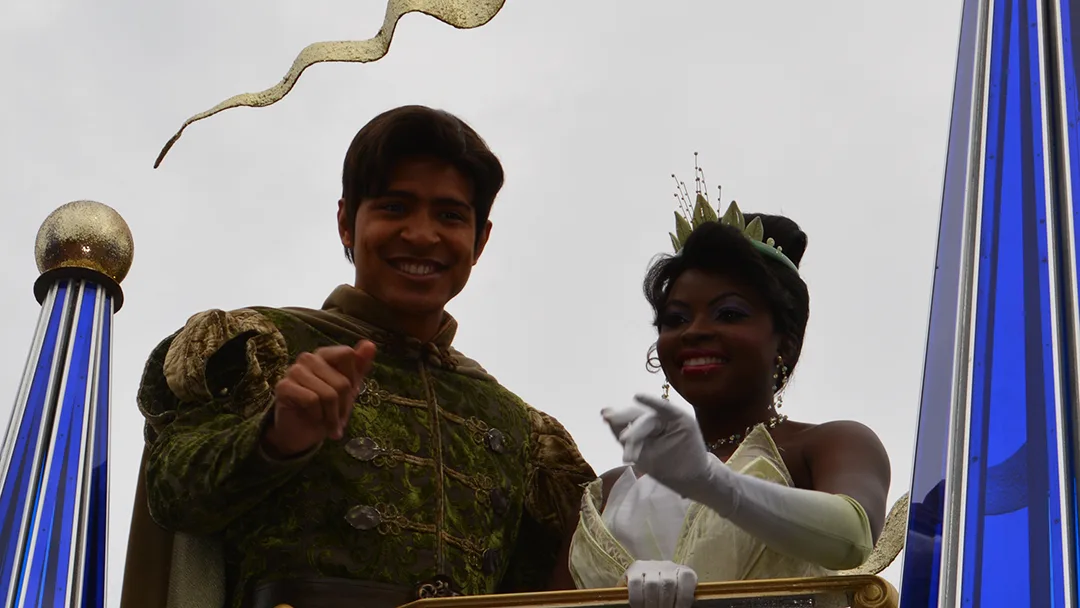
856	588
844	591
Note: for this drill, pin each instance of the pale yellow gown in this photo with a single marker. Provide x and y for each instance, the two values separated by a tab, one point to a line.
645	520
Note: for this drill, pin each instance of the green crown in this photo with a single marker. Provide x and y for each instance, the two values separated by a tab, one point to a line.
689	219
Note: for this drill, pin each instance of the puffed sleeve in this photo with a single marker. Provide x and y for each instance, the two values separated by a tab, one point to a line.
557	479
207	394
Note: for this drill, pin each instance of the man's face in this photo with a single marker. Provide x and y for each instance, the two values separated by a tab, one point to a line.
414	247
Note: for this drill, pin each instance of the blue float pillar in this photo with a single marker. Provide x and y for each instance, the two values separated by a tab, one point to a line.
54	482
993	518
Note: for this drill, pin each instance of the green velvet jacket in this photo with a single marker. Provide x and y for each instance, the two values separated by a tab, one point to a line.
442	471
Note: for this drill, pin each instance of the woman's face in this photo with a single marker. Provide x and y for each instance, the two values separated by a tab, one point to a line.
716	341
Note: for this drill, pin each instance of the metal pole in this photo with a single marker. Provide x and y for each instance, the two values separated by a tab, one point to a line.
993	519
54	481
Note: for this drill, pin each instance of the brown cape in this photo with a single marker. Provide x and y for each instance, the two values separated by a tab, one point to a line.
149	554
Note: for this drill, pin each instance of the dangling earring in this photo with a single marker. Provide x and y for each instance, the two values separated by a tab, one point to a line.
779	379
667	390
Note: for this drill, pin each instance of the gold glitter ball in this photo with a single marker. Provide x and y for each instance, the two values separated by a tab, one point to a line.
86	235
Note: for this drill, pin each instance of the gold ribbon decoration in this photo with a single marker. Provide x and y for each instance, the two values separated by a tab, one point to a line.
462	14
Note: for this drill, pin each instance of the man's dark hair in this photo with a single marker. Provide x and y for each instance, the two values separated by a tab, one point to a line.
412	132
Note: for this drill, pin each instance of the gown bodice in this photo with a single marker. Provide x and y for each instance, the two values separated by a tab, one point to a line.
644	520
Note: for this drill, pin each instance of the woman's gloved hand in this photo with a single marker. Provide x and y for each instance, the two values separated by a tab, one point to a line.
665	442
660	584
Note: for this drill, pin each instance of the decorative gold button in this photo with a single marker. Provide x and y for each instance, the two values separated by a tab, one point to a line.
363	517
439	586
495	441
363	448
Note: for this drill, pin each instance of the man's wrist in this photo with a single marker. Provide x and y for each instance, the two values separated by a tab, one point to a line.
272	449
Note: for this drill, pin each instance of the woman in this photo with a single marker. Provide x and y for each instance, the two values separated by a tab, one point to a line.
740	492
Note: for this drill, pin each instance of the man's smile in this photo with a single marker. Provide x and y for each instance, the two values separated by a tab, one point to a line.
417	267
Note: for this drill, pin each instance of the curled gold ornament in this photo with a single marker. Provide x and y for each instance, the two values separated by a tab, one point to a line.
876	594
462	14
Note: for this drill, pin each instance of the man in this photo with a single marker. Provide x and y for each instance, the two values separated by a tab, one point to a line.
326	474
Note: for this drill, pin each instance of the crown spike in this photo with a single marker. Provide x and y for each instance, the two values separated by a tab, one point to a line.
698	210
699	178
681	204
683	196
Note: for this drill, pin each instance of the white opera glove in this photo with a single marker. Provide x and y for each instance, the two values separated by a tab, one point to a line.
660	584
665	442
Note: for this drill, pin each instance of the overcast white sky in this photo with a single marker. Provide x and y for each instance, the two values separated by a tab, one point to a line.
834	113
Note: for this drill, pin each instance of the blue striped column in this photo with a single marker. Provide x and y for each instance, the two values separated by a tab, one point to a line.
54	457
993	514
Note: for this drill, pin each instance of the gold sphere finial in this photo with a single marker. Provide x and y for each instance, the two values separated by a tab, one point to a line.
85	235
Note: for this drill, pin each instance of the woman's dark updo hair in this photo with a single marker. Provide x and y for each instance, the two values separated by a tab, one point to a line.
719	249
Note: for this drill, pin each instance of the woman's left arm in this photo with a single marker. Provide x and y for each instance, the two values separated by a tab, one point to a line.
847	458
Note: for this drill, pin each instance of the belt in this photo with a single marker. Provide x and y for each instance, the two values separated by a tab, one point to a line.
325	592
330	593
